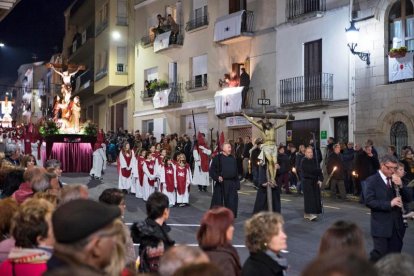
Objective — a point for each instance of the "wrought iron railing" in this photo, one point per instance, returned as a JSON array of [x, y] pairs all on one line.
[[174, 97], [101, 73], [297, 8], [196, 23], [247, 25], [122, 20], [306, 89], [147, 41], [102, 26], [197, 82]]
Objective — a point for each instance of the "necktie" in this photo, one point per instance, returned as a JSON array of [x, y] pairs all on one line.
[[389, 182]]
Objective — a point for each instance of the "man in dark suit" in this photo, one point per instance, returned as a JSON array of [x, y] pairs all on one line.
[[387, 227]]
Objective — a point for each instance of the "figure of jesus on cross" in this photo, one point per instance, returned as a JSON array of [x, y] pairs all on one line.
[[269, 146]]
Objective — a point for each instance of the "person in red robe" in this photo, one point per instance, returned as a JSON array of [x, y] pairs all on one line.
[[183, 180]]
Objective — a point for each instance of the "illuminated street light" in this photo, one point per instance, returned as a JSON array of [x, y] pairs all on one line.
[[2, 44], [116, 35], [352, 34]]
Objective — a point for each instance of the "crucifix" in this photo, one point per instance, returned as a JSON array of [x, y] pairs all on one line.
[[269, 146]]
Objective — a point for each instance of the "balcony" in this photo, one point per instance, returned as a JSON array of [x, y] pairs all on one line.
[[147, 41], [302, 9], [196, 23], [101, 27], [84, 81], [310, 90], [197, 84], [167, 97], [168, 40], [79, 41], [234, 27], [101, 74]]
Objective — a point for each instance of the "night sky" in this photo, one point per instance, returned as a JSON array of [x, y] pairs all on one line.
[[32, 27]]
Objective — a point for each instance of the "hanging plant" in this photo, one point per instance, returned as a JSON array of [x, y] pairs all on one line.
[[398, 52]]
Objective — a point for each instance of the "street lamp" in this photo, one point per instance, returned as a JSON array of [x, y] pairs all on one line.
[[352, 35], [2, 44]]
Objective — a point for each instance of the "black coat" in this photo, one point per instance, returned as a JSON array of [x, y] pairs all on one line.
[[366, 165], [335, 160], [260, 264], [284, 163], [384, 218], [149, 234]]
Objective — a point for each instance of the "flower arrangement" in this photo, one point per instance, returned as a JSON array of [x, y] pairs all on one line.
[[90, 129], [48, 128], [158, 85], [398, 52]]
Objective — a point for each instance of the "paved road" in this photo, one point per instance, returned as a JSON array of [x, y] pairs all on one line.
[[303, 236]]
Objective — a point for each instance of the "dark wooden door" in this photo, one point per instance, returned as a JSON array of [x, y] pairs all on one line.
[[237, 5], [341, 129], [302, 131], [313, 70]]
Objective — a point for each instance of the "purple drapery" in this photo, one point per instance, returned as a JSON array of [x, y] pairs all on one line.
[[75, 157]]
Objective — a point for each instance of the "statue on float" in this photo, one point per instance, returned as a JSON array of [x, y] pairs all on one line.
[[66, 111]]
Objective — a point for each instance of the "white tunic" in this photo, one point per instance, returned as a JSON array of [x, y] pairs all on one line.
[[136, 182], [98, 162], [161, 175], [124, 183], [184, 198], [200, 177], [147, 188]]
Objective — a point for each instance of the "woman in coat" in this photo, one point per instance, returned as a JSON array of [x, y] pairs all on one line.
[[265, 238], [214, 237]]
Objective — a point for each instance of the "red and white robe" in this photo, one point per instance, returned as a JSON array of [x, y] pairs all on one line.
[[125, 171], [167, 183], [201, 166], [149, 179], [139, 176], [183, 180]]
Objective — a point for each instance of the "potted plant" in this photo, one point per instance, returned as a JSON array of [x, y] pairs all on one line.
[[398, 52], [154, 86], [48, 128], [163, 84]]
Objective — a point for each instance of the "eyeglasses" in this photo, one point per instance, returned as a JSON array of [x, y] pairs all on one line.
[[390, 168]]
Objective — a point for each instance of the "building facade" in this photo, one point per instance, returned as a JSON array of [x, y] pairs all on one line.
[[384, 90], [312, 70], [212, 38], [114, 63]]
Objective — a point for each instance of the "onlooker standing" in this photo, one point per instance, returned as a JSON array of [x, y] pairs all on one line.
[[298, 168], [248, 145], [292, 161], [180, 256], [366, 165], [245, 82], [214, 237], [335, 162], [87, 240], [265, 238], [254, 160], [348, 160], [8, 208], [282, 173], [152, 234]]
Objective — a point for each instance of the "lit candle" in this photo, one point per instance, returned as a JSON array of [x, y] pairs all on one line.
[[294, 170]]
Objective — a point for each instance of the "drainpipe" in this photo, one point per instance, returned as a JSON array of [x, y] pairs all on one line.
[[351, 89]]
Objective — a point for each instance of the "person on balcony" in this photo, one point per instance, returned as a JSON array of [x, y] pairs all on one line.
[[174, 29], [161, 24], [234, 80], [245, 82]]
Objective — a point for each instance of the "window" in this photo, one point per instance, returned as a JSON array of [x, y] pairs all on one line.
[[401, 25], [199, 71], [151, 74], [121, 59], [237, 5], [147, 126], [399, 135], [122, 13]]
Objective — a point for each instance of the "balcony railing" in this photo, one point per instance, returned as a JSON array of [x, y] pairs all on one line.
[[102, 26], [196, 23], [83, 79], [122, 20], [199, 82], [101, 74], [147, 41], [81, 38], [237, 24], [298, 8], [309, 89], [175, 96]]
